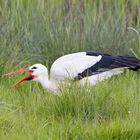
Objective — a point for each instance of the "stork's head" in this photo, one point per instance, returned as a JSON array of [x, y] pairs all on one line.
[[37, 73], [38, 70]]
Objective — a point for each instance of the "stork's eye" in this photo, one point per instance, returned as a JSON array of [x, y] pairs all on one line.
[[34, 67]]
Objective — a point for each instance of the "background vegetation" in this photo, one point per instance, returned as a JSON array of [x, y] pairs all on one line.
[[39, 31]]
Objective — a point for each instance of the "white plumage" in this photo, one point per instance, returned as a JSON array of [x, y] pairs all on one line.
[[69, 66]]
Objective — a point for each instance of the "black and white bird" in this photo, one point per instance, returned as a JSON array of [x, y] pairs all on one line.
[[85, 67]]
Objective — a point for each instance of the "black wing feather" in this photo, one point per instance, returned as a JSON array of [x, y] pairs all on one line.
[[109, 62]]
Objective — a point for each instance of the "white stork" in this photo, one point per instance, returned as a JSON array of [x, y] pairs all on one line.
[[82, 66]]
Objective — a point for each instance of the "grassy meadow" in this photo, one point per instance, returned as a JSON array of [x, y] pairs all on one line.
[[39, 31]]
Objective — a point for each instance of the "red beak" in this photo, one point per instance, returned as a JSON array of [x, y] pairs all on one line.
[[29, 77], [17, 71]]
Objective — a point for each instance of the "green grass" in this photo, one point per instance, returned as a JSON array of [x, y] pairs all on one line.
[[109, 110], [38, 31]]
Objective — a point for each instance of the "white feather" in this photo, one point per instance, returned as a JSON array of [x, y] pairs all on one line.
[[94, 79], [69, 66]]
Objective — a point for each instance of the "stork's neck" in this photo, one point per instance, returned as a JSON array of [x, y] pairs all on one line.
[[48, 84]]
